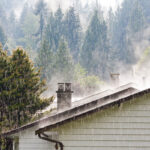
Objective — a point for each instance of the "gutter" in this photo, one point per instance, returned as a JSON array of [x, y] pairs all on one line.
[[45, 137]]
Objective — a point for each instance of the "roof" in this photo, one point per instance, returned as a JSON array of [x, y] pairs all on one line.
[[122, 94]]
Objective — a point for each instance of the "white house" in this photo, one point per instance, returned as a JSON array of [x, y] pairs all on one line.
[[119, 120]]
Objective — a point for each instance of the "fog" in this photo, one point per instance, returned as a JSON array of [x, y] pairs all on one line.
[[65, 4], [136, 73]]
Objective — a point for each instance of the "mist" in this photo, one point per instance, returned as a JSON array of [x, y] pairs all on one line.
[[125, 58], [53, 5]]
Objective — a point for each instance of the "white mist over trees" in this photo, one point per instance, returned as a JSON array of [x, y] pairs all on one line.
[[96, 43]]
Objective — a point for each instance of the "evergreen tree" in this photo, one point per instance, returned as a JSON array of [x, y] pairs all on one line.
[[12, 24], [129, 20], [49, 32], [145, 6], [20, 89], [4, 84], [54, 29], [26, 84], [58, 30], [45, 61], [24, 12], [63, 62], [84, 83], [110, 21], [73, 32], [20, 34], [95, 47], [41, 10], [136, 21], [29, 27]]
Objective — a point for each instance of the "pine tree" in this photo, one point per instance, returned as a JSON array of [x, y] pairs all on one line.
[[24, 13], [63, 63], [20, 34], [128, 21], [45, 61], [49, 32], [12, 24], [145, 6], [73, 32], [26, 84], [95, 47], [20, 89], [4, 84], [111, 19], [41, 10], [58, 30], [54, 29], [29, 27], [136, 21]]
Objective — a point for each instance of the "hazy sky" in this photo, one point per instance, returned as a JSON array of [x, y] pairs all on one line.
[[106, 4], [110, 3], [53, 4]]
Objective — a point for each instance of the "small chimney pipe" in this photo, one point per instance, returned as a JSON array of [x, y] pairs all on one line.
[[61, 87], [64, 96], [68, 87], [115, 79]]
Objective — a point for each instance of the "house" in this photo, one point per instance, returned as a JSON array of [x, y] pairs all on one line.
[[114, 120]]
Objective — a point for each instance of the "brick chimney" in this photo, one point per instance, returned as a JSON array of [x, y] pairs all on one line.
[[64, 96]]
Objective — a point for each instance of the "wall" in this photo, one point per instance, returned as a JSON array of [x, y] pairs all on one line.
[[29, 141], [124, 127]]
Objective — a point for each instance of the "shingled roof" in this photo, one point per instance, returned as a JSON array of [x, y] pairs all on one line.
[[120, 95]]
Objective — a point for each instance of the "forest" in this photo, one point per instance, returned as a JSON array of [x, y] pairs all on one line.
[[81, 44]]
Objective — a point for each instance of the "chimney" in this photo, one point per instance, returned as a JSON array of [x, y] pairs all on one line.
[[64, 96], [115, 79], [144, 81]]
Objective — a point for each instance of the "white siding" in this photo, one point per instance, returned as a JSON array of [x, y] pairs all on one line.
[[126, 127], [29, 141]]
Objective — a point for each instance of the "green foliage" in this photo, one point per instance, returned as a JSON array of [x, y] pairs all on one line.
[[145, 6], [20, 90], [58, 27], [128, 21], [29, 27], [4, 82], [55, 64], [73, 32], [84, 83], [80, 74], [95, 49], [2, 144], [41, 11], [6, 143], [54, 29], [136, 21], [63, 62], [45, 61], [144, 59]]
